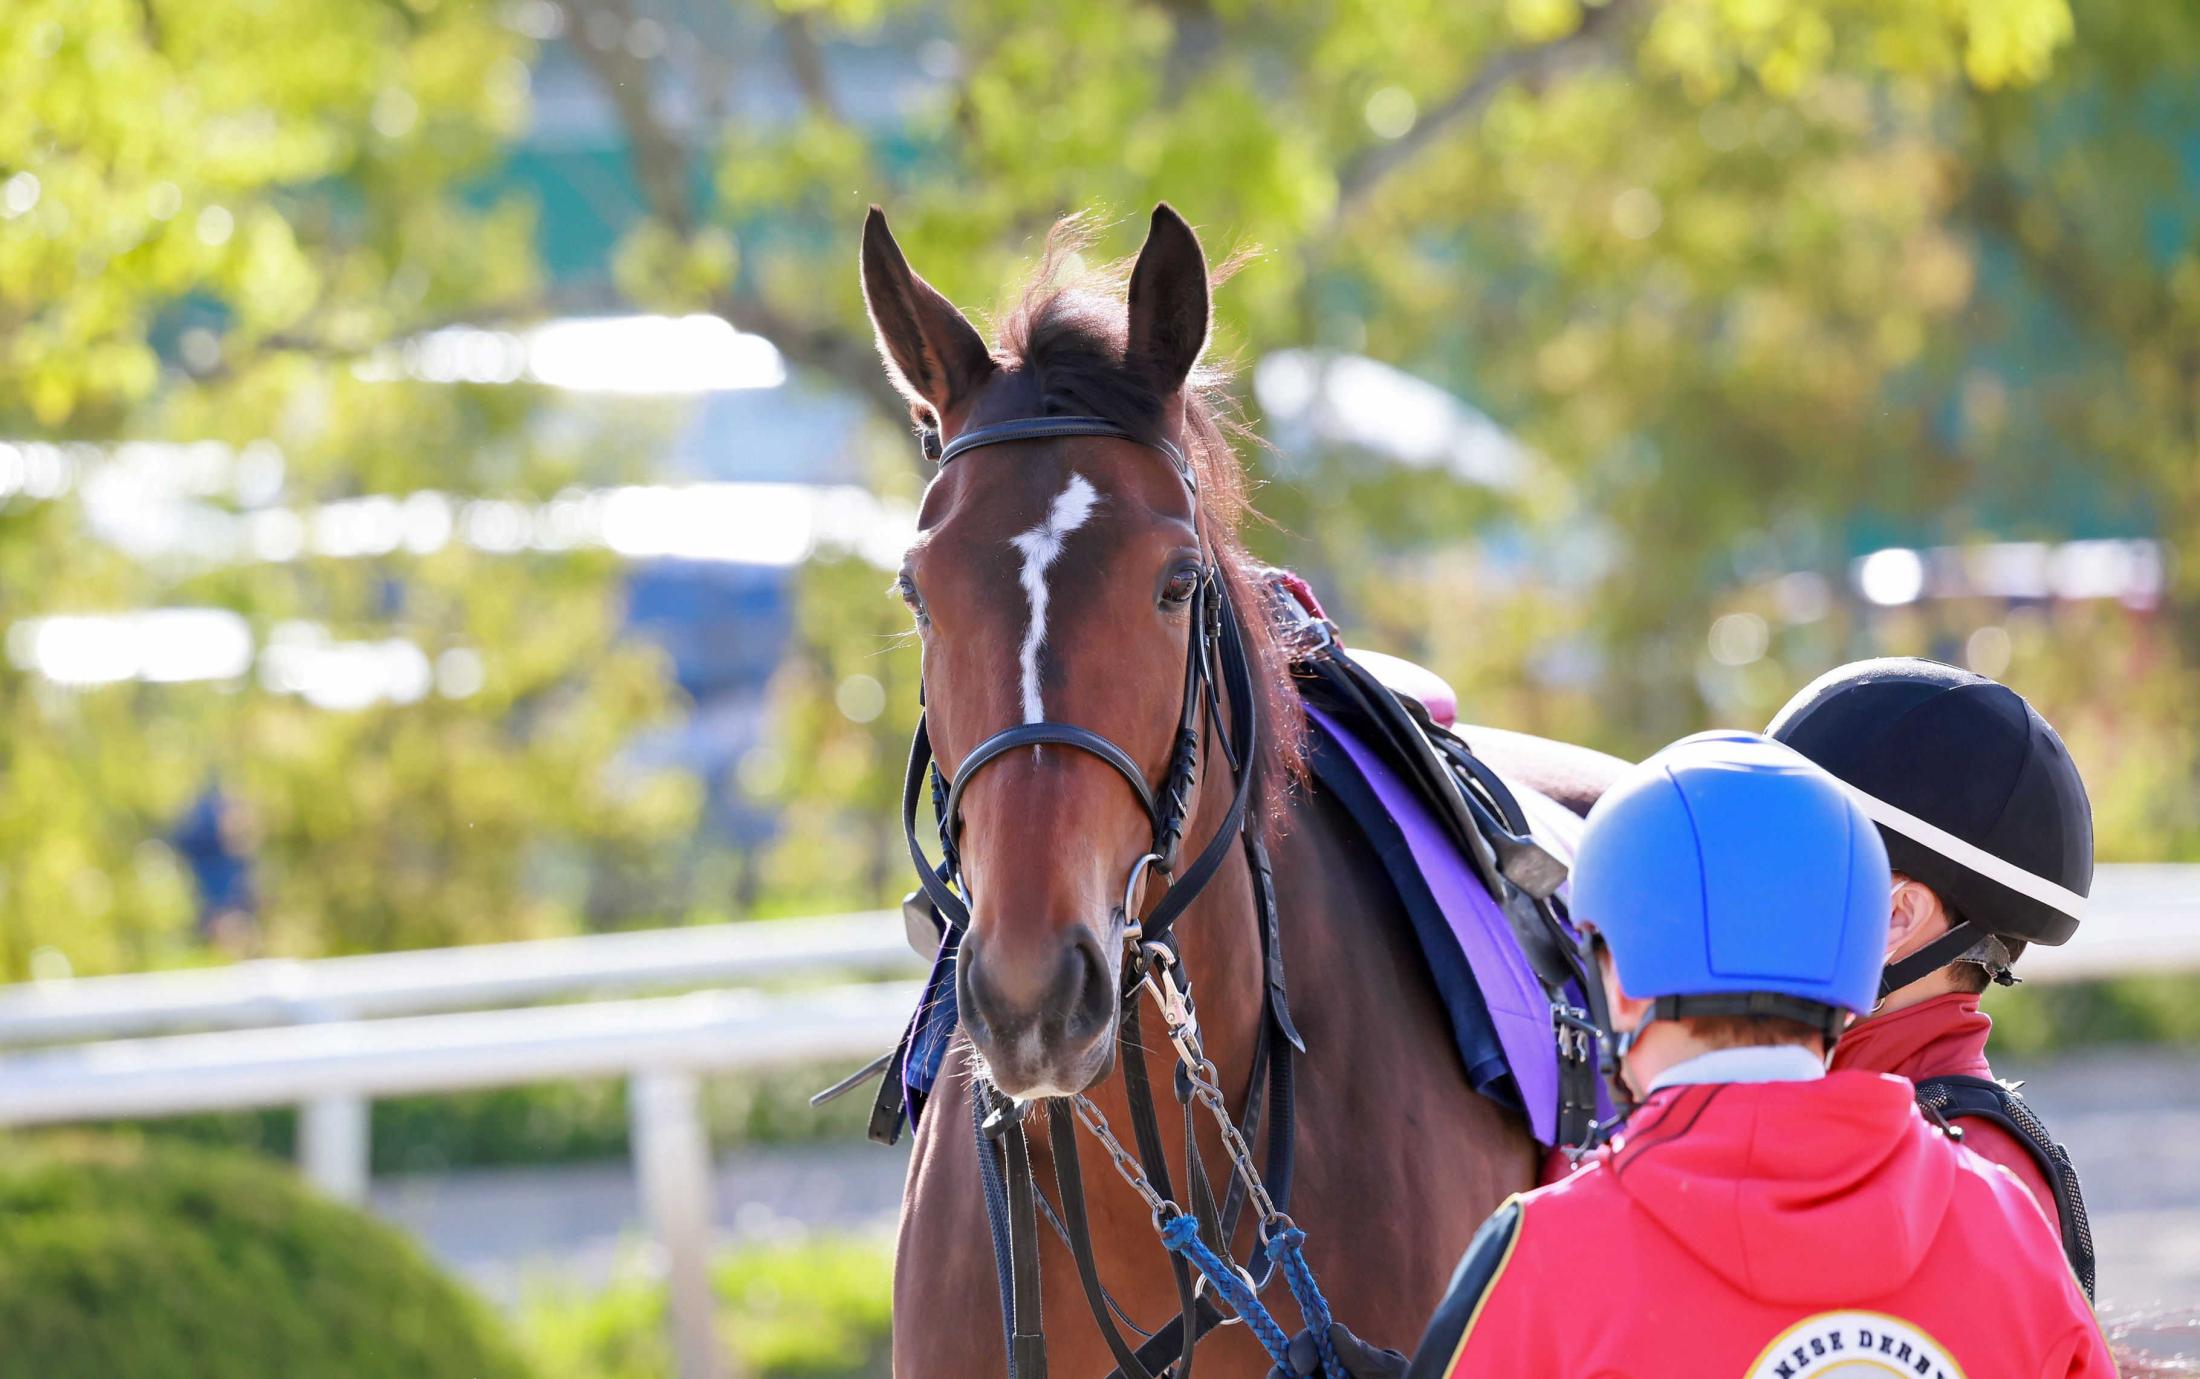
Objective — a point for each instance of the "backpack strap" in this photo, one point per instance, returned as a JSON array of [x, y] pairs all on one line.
[[1952, 1098]]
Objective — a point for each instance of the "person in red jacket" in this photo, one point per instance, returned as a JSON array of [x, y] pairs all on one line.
[[1761, 1218], [1990, 836]]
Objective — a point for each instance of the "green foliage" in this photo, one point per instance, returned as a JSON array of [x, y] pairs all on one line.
[[213, 213], [1759, 282], [836, 781], [1762, 285], [133, 1261], [551, 1122], [576, 1121], [2036, 1021], [814, 1309]]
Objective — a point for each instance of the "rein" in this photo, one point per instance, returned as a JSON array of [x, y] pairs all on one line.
[[1217, 667]]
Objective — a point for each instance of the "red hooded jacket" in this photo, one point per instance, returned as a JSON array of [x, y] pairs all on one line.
[[1784, 1230], [1944, 1037]]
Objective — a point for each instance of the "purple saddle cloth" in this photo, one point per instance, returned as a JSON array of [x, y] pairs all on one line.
[[1502, 1025]]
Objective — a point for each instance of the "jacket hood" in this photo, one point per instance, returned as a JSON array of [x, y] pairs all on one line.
[[1794, 1192]]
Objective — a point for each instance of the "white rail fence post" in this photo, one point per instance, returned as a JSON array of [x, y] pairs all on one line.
[[335, 1131], [672, 1165], [335, 1137]]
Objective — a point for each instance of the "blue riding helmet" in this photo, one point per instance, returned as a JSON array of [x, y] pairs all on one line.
[[1730, 876]]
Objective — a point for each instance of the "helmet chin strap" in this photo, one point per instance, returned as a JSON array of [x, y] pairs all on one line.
[[1827, 1020], [1622, 1042], [1931, 958]]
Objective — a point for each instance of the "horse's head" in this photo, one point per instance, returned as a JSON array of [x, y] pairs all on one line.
[[1053, 581]]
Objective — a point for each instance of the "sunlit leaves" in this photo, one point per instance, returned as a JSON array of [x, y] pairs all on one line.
[[209, 213]]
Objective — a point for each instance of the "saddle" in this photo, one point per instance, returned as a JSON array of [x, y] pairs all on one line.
[[1479, 864]]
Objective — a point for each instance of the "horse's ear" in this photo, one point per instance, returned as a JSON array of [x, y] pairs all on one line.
[[1168, 300], [932, 353]]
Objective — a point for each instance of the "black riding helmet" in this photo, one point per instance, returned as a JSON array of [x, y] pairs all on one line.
[[1973, 792]]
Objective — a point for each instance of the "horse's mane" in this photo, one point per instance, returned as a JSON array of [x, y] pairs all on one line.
[[1065, 334]]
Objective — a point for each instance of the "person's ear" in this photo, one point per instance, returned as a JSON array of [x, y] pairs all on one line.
[[1626, 1011], [1915, 918]]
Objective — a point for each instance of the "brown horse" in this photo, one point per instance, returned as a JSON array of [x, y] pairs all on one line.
[[1050, 581]]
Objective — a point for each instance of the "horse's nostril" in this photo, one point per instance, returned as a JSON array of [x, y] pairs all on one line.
[[974, 996], [1071, 1003], [1093, 1000]]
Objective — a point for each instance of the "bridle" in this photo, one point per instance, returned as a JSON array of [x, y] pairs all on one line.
[[1215, 663], [1217, 672]]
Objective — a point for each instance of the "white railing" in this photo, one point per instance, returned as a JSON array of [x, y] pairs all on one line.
[[330, 1035], [287, 991], [2142, 918]]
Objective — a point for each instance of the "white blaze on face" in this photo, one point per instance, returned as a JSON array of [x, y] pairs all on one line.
[[1040, 546]]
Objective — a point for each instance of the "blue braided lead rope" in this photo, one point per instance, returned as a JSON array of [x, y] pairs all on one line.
[[1181, 1234], [1284, 1248]]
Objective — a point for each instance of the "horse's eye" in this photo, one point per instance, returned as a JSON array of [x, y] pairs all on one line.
[[906, 589], [1181, 586]]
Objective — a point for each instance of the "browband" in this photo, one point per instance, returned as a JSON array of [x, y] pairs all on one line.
[[1049, 428]]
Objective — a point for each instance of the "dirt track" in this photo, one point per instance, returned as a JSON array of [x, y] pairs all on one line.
[[2131, 1119]]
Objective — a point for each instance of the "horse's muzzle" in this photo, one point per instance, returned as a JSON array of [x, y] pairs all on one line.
[[1044, 1022]]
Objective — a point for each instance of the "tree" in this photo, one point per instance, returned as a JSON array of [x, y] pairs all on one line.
[[212, 215], [1757, 283], [1728, 269]]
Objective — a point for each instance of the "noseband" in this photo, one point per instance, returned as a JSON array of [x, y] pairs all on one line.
[[1215, 664]]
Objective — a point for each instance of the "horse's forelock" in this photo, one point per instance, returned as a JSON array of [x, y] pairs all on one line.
[[1065, 337]]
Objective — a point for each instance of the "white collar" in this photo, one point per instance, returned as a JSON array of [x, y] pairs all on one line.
[[1766, 1063]]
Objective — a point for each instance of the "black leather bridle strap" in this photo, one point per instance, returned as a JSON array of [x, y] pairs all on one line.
[[1027, 1339], [995, 1191], [1053, 428], [1069, 1180], [936, 889], [1146, 1133], [1048, 734], [1245, 704]]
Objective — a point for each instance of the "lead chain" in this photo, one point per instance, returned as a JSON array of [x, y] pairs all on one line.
[[1126, 1164], [1200, 1071]]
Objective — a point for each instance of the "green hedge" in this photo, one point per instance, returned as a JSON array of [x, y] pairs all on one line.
[[2039, 1020], [819, 1308], [552, 1122], [127, 1259]]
